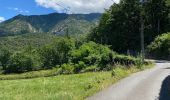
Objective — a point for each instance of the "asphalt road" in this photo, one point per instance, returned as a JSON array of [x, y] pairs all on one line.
[[151, 84]]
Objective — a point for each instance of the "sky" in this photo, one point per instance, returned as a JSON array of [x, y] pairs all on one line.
[[11, 8]]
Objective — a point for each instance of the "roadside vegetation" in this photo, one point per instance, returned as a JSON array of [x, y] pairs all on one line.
[[120, 25], [160, 47], [66, 55], [49, 67], [62, 87]]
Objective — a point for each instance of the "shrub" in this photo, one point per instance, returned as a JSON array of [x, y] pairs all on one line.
[[91, 54], [49, 57], [19, 63], [56, 53], [160, 47], [4, 58], [66, 69], [25, 60], [124, 60], [78, 67]]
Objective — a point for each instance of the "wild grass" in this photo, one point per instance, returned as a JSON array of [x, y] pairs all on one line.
[[62, 87]]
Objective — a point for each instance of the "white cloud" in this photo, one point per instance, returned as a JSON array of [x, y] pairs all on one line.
[[77, 6], [2, 19], [18, 10]]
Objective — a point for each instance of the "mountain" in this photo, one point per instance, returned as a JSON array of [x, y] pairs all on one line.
[[18, 42], [56, 23]]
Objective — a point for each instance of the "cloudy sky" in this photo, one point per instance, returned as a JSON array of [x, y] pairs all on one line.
[[10, 8]]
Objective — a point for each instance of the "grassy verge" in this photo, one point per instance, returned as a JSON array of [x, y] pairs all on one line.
[[41, 73], [62, 87], [28, 75]]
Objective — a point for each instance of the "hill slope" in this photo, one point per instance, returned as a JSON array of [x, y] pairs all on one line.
[[52, 23], [18, 42]]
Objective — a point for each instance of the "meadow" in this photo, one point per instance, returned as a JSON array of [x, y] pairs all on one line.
[[61, 87]]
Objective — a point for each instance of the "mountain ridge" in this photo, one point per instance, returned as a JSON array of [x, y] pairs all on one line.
[[56, 23]]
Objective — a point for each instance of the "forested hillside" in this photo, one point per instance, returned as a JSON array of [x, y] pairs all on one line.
[[120, 26], [18, 42], [52, 23]]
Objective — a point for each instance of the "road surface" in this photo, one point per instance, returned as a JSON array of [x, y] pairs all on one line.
[[151, 84]]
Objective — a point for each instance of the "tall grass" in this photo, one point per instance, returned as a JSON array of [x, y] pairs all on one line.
[[62, 87]]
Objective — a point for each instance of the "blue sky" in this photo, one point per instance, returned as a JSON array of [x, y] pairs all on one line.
[[11, 8]]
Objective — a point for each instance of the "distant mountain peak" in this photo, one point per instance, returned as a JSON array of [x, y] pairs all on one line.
[[50, 23]]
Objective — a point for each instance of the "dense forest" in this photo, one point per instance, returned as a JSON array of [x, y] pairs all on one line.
[[120, 25]]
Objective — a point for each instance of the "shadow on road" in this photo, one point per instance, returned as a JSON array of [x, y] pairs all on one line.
[[162, 61], [165, 89], [167, 68]]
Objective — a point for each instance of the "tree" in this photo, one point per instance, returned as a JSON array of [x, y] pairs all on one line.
[[120, 25], [156, 18], [20, 62], [160, 47], [57, 52], [4, 58]]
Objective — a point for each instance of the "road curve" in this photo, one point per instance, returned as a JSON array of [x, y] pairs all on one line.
[[151, 84]]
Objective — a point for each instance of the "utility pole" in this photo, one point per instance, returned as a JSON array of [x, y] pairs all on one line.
[[142, 31]]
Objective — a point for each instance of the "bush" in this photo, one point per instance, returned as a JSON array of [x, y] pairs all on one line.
[[4, 58], [78, 67], [19, 63], [23, 61], [56, 53], [160, 47], [62, 53], [66, 69], [91, 54], [124, 60]]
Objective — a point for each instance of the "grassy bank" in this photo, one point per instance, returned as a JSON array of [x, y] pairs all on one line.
[[62, 87]]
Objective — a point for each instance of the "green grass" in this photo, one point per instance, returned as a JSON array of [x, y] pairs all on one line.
[[28, 75], [62, 87]]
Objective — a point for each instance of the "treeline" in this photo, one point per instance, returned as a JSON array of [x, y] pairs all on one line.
[[18, 42], [120, 25], [67, 55]]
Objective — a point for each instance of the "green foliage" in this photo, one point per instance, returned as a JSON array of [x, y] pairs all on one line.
[[119, 71], [120, 25], [26, 60], [66, 69], [19, 42], [79, 67], [56, 53], [51, 23], [63, 53], [125, 60], [160, 47], [4, 58], [91, 53], [19, 62], [62, 87]]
